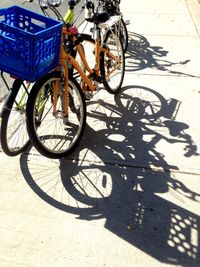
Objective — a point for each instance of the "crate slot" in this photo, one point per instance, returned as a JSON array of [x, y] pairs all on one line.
[[39, 23]]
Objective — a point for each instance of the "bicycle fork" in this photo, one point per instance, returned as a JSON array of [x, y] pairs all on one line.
[[60, 89]]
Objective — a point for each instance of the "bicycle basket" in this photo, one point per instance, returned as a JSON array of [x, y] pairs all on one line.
[[29, 43]]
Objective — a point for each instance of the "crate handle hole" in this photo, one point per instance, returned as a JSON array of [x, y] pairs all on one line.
[[39, 23]]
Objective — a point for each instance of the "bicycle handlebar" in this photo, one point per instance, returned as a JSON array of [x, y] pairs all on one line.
[[52, 3], [42, 3]]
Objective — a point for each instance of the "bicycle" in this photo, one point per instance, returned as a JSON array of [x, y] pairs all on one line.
[[13, 133], [6, 115], [113, 8], [56, 113]]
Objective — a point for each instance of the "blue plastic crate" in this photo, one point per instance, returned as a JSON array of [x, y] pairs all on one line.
[[29, 43]]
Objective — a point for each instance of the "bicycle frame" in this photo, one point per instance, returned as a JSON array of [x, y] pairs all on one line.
[[66, 57]]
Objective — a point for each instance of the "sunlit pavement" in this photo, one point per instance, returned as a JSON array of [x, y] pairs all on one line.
[[130, 194]]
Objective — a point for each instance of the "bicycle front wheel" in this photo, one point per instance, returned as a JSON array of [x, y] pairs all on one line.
[[13, 134], [112, 63], [52, 133]]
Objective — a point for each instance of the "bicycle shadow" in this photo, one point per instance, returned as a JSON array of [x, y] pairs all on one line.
[[142, 55], [117, 173]]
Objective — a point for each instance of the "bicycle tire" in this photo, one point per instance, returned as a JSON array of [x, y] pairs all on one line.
[[49, 134], [123, 34], [108, 66], [13, 135]]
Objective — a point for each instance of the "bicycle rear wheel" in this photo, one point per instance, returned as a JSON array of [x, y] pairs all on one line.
[[112, 63], [13, 134], [53, 134]]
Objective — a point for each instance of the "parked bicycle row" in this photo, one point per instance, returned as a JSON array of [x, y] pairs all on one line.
[[56, 70]]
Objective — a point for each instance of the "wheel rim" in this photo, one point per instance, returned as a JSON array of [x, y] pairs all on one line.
[[55, 133], [16, 133], [114, 65]]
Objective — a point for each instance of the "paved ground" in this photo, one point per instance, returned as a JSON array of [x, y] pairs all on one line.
[[130, 194]]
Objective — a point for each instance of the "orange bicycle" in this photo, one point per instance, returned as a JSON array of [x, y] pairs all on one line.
[[56, 109]]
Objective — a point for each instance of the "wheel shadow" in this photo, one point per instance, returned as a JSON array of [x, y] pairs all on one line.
[[142, 55], [117, 173]]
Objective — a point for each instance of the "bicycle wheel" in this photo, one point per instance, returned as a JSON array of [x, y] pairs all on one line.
[[123, 34], [112, 63], [52, 134], [13, 134]]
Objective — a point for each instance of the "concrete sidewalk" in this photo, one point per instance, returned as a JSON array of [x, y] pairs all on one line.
[[130, 194]]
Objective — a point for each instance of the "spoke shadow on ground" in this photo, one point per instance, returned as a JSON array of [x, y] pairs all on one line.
[[117, 173]]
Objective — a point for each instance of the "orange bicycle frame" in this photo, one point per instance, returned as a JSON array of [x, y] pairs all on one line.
[[66, 57]]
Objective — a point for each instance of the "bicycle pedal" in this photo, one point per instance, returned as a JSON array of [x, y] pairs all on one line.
[[88, 95]]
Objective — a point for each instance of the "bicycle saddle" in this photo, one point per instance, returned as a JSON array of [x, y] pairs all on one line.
[[99, 17]]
